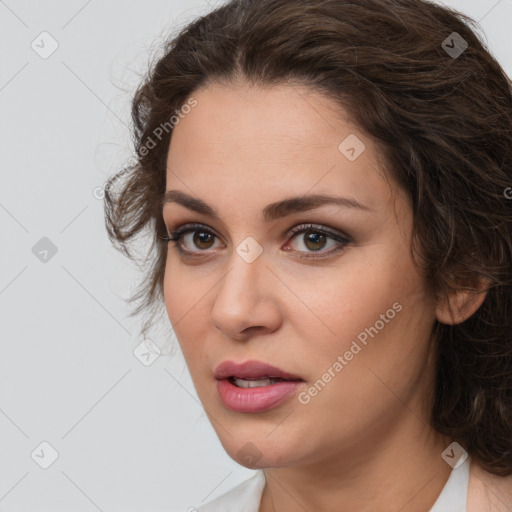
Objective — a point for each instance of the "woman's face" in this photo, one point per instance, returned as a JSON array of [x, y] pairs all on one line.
[[351, 325]]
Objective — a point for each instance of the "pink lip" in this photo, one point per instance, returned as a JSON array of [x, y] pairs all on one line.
[[253, 399], [250, 370]]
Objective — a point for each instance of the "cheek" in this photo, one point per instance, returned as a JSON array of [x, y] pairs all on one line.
[[382, 319], [373, 311], [172, 294], [344, 300], [183, 304], [183, 291]]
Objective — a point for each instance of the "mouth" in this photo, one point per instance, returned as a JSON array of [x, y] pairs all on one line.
[[252, 371], [258, 383], [254, 386]]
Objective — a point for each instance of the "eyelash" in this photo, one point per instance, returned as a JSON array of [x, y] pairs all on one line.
[[343, 240]]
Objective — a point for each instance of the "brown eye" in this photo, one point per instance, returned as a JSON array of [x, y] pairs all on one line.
[[192, 240], [314, 240], [202, 239], [309, 240]]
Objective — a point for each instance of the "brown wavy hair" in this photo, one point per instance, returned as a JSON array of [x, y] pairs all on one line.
[[441, 116]]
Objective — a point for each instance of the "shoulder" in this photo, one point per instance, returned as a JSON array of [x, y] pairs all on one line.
[[488, 492], [245, 497]]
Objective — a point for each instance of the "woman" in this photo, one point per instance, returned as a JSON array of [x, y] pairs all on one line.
[[326, 183]]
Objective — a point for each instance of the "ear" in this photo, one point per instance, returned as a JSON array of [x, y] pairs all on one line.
[[458, 305]]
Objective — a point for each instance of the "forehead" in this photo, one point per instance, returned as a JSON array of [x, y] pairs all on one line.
[[245, 117], [273, 141]]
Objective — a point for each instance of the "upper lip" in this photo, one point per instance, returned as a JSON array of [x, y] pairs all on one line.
[[251, 370]]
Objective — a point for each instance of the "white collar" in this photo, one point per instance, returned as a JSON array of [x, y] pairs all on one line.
[[454, 495], [246, 496]]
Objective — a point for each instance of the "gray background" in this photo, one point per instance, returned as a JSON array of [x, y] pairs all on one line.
[[129, 437]]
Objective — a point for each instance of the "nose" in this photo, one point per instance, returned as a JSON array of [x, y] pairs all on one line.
[[246, 301]]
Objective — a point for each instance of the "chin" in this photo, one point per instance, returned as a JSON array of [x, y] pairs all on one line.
[[257, 451]]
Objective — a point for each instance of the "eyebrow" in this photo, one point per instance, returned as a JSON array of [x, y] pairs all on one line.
[[272, 211]]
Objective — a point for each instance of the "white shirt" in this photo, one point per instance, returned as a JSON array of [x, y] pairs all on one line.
[[246, 496]]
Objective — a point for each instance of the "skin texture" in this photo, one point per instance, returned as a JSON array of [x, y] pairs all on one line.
[[363, 442]]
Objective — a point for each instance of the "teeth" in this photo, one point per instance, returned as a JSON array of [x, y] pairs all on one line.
[[242, 383]]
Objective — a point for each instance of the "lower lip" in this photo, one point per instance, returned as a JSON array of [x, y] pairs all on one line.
[[255, 399]]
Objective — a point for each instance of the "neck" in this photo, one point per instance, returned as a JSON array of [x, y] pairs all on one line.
[[402, 470]]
